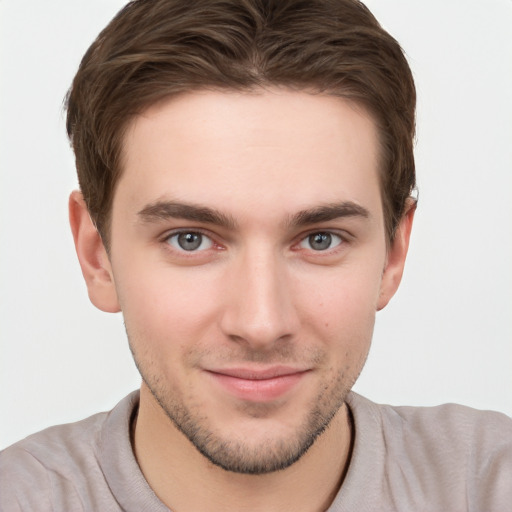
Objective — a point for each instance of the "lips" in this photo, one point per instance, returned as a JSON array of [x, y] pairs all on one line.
[[258, 385]]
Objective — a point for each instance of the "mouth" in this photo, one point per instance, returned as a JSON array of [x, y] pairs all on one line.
[[258, 384]]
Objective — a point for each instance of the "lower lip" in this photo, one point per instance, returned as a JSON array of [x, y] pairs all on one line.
[[264, 390]]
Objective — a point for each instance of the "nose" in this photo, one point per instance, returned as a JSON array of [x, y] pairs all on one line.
[[259, 309]]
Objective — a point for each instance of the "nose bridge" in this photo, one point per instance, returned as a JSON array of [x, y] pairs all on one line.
[[259, 309]]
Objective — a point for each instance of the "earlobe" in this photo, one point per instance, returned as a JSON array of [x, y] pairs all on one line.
[[92, 256], [397, 254]]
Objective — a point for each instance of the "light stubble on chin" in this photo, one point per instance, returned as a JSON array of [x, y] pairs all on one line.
[[271, 454]]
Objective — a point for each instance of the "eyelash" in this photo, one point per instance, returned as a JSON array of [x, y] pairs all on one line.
[[330, 235], [342, 239], [175, 234]]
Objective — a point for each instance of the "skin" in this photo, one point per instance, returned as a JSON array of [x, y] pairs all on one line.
[[260, 177]]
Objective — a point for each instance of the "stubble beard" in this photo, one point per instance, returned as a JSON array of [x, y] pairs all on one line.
[[271, 454]]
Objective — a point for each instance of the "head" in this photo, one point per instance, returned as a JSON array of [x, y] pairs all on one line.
[[248, 167], [153, 50]]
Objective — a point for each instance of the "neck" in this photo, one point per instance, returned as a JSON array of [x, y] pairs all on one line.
[[185, 481]]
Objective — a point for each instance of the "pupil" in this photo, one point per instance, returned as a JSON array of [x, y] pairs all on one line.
[[320, 241], [189, 241]]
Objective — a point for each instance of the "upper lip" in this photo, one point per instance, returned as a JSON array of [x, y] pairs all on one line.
[[271, 372]]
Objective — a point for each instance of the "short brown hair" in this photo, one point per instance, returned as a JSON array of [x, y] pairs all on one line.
[[154, 49]]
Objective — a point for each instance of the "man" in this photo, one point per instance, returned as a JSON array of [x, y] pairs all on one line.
[[246, 172]]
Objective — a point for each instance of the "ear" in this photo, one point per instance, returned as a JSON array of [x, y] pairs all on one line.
[[92, 256], [396, 256]]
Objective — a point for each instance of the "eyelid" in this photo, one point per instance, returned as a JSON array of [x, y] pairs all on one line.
[[205, 242], [343, 235], [201, 231], [176, 231], [335, 239]]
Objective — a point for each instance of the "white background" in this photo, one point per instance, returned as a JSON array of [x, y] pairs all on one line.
[[447, 335]]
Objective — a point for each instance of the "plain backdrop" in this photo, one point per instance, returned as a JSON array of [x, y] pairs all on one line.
[[445, 337]]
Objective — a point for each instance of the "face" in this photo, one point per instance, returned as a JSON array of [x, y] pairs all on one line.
[[249, 258]]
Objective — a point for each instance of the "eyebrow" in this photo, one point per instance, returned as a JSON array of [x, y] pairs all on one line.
[[328, 212], [163, 210]]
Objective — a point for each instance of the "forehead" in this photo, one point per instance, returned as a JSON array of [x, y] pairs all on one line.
[[271, 151]]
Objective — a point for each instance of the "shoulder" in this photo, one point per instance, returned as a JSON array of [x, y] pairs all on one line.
[[470, 449], [452, 432], [57, 445], [53, 466], [467, 429], [33, 467], [446, 455]]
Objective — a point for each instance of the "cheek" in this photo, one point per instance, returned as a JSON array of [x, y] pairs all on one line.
[[165, 308], [341, 313], [342, 298]]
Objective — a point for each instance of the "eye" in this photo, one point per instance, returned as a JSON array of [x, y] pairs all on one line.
[[321, 241], [190, 241]]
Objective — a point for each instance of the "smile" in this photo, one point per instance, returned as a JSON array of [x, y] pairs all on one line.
[[261, 385]]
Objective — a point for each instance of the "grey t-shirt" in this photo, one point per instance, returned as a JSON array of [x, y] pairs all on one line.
[[434, 459]]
